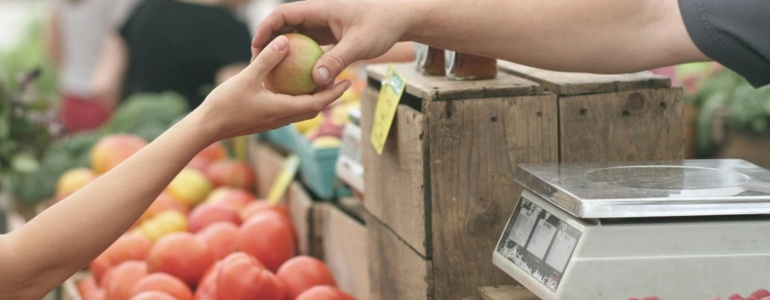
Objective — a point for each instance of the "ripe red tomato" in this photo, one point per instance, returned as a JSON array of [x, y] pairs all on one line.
[[164, 283], [268, 239], [303, 272], [242, 277], [182, 255], [152, 295], [324, 292], [206, 214], [220, 237], [125, 276], [129, 246]]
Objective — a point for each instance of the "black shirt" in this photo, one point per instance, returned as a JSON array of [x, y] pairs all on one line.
[[180, 46], [735, 33]]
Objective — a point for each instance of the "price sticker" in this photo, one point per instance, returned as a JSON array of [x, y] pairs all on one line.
[[390, 94]]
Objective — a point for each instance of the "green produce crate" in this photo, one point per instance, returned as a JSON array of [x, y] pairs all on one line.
[[317, 165]]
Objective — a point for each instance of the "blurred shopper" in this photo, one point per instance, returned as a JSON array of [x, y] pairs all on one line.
[[185, 46], [75, 32], [599, 36]]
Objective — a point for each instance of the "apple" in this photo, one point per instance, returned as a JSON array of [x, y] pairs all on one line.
[[232, 173], [294, 74], [111, 150]]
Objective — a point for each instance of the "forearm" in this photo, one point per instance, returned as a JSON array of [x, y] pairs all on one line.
[[84, 224], [604, 36]]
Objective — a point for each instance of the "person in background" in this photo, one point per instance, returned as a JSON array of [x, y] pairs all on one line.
[[74, 34], [597, 36], [43, 253], [184, 46]]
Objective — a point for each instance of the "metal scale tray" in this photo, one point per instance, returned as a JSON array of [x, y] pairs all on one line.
[[713, 187]]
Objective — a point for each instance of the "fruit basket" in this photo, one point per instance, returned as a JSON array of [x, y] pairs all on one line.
[[317, 164]]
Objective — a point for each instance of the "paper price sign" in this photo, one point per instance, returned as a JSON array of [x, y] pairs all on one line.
[[390, 94]]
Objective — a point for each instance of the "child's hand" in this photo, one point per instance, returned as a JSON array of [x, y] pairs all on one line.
[[242, 106]]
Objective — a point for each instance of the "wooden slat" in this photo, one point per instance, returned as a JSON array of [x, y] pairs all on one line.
[[344, 242], [395, 181], [623, 126], [267, 163], [301, 208], [506, 292], [474, 148], [567, 83], [396, 271], [440, 88]]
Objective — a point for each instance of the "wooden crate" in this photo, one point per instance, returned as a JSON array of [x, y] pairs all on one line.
[[344, 244], [441, 191], [620, 117]]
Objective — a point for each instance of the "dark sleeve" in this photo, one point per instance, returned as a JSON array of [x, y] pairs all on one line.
[[235, 44], [735, 33]]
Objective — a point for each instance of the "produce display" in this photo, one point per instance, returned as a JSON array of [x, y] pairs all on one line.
[[207, 236], [760, 294]]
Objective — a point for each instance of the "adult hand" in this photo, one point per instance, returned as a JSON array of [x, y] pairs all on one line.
[[242, 105], [360, 29]]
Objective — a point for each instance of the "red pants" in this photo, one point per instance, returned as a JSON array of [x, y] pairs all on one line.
[[78, 113]]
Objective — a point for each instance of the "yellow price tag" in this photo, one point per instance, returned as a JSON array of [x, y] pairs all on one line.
[[390, 94], [283, 179]]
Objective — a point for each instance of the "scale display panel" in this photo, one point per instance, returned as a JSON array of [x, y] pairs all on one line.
[[538, 242]]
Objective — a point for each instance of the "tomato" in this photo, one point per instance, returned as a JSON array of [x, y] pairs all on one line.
[[129, 246], [99, 266], [152, 295], [303, 272], [259, 206], [324, 292], [207, 289], [268, 239], [125, 276], [220, 237], [182, 255], [206, 214], [164, 283], [242, 277]]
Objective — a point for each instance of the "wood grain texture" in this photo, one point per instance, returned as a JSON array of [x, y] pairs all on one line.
[[474, 148], [623, 126], [345, 248], [440, 88], [506, 292], [267, 163], [395, 180], [567, 83], [301, 210], [396, 271]]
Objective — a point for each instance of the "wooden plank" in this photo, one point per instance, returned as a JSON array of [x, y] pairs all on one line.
[[440, 88], [344, 243], [267, 163], [569, 83], [395, 180], [474, 148], [396, 271], [301, 209], [506, 292], [622, 126]]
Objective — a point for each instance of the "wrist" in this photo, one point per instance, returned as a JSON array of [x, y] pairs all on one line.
[[420, 18]]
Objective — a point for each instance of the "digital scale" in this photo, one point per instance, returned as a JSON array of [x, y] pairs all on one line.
[[677, 230]]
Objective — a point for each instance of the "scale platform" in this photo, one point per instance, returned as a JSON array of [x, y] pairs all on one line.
[[692, 229]]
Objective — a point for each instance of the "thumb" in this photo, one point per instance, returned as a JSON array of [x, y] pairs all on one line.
[[334, 61], [269, 57]]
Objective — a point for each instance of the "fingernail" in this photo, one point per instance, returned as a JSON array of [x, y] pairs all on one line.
[[323, 73], [280, 43]]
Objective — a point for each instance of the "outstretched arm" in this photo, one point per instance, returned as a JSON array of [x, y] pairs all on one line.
[[602, 36], [44, 252]]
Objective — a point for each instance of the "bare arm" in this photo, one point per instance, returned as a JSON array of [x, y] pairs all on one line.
[[107, 80], [603, 36], [43, 253]]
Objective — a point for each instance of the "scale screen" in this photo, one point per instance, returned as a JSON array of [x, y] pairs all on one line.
[[538, 242]]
